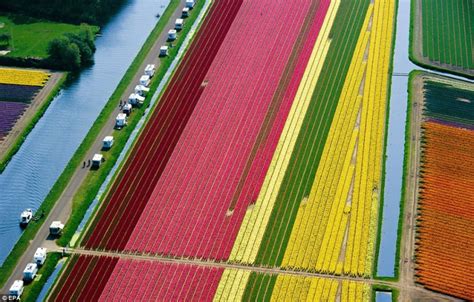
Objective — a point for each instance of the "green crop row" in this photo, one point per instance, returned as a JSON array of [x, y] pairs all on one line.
[[259, 287], [310, 143]]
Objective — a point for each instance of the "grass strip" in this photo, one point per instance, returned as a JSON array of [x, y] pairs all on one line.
[[5, 159], [85, 196]]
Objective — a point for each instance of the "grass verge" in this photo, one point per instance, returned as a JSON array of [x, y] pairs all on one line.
[[63, 180], [31, 124]]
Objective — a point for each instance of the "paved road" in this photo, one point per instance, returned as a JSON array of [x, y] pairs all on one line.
[[62, 208]]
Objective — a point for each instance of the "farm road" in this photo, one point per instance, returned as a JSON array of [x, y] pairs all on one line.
[[62, 208]]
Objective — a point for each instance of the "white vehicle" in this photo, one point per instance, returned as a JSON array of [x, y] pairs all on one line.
[[150, 70], [40, 255], [145, 80], [141, 90], [127, 109], [26, 216], [185, 12], [136, 99], [97, 160], [16, 289], [178, 25], [190, 3], [56, 228], [172, 35], [164, 51], [30, 271], [108, 142], [120, 120]]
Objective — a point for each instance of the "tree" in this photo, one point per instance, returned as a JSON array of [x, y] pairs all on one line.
[[64, 54]]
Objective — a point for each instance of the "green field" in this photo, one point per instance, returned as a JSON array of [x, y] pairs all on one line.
[[447, 31], [310, 143], [30, 37]]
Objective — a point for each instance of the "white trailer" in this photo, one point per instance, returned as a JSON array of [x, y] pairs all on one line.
[[141, 90], [16, 289], [172, 35], [136, 99], [29, 273], [56, 228], [121, 120], [185, 12], [190, 3], [108, 142], [150, 70], [178, 25], [40, 255], [164, 51], [145, 80], [97, 160]]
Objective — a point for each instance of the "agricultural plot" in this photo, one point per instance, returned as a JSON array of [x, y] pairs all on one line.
[[444, 255], [266, 149], [442, 36], [17, 89]]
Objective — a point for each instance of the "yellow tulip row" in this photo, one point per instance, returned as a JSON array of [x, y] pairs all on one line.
[[355, 291], [23, 77], [317, 237], [232, 285], [256, 218], [297, 288], [365, 199]]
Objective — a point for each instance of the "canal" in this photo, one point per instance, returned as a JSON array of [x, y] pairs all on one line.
[[48, 148]]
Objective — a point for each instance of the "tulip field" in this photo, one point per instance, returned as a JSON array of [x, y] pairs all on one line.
[[446, 209], [17, 89], [265, 151], [447, 29]]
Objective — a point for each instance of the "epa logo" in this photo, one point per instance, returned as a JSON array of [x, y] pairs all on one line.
[[8, 298]]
